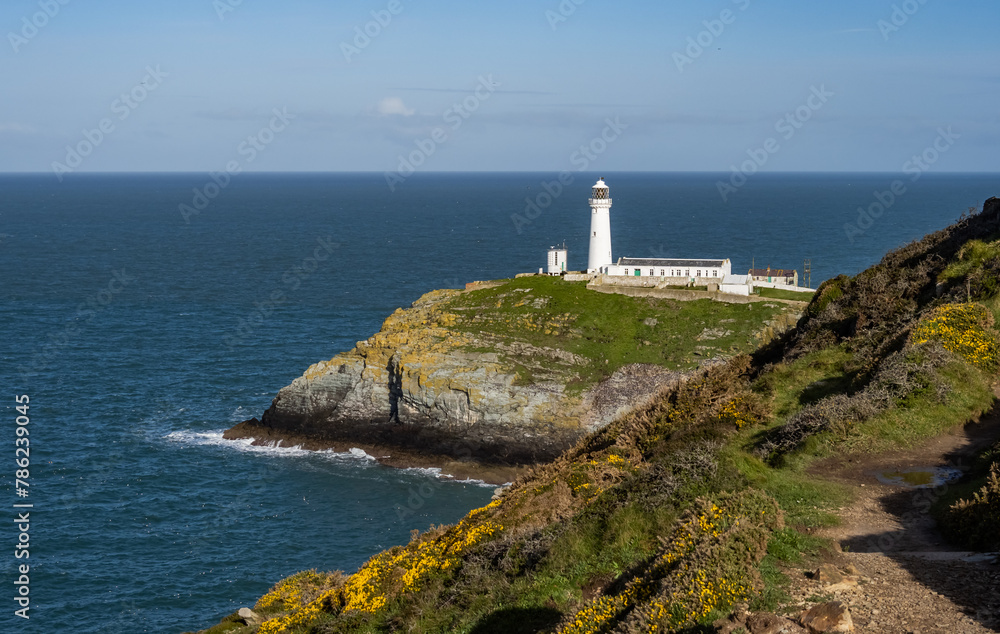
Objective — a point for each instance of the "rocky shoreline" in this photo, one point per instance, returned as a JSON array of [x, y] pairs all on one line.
[[495, 454]]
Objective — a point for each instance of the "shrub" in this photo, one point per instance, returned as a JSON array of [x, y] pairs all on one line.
[[298, 590], [744, 410], [385, 576], [964, 329], [978, 262], [976, 522], [898, 377], [707, 565]]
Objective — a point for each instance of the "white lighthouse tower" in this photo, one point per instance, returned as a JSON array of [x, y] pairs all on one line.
[[600, 229]]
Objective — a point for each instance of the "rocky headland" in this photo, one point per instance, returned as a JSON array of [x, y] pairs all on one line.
[[505, 373]]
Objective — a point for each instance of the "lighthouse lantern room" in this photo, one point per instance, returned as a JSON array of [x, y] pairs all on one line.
[[600, 229]]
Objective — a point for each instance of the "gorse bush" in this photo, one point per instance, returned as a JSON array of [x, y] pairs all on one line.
[[964, 329], [299, 590], [707, 565], [744, 410], [395, 571], [976, 522]]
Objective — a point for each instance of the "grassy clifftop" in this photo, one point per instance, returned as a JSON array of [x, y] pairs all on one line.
[[603, 332], [668, 517]]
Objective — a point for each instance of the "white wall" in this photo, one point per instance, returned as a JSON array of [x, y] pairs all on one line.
[[681, 275], [735, 289], [557, 261]]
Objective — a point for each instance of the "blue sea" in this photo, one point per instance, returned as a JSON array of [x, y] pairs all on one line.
[[140, 333]]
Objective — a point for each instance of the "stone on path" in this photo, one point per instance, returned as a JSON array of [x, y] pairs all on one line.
[[828, 618]]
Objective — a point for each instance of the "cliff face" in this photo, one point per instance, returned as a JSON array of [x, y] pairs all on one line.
[[468, 376]]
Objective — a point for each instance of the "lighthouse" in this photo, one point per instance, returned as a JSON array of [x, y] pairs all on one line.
[[599, 258]]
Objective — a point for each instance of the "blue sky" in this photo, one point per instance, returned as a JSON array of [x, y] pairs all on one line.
[[220, 74]]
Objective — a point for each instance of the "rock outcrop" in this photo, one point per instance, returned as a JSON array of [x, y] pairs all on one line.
[[419, 384], [494, 376]]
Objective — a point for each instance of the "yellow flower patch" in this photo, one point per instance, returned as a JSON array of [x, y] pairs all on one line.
[[964, 329], [389, 573], [686, 582]]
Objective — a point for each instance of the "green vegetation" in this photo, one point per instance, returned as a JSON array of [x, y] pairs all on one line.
[[969, 513], [976, 259], [973, 521], [672, 514], [605, 331], [780, 293]]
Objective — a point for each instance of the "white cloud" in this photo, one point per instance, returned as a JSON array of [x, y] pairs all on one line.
[[394, 105]]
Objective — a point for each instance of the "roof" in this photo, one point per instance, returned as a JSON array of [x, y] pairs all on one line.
[[772, 272], [669, 262], [601, 184], [736, 279]]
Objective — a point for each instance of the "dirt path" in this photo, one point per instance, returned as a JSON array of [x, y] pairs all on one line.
[[908, 579]]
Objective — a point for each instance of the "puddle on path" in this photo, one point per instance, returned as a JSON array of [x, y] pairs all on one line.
[[919, 477]]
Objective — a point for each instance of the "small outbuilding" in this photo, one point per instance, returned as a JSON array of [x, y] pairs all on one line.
[[785, 277], [737, 285], [557, 260]]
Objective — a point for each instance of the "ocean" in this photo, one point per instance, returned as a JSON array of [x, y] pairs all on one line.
[[144, 314]]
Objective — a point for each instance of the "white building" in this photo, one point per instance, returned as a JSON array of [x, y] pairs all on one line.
[[669, 271], [600, 229], [737, 285], [714, 273], [557, 260], [699, 272]]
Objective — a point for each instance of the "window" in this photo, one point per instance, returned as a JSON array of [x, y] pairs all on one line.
[[687, 272], [715, 273], [595, 234], [663, 273], [698, 273], [651, 272]]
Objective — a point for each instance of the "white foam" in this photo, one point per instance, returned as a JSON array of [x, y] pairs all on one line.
[[361, 454], [354, 455], [435, 472], [214, 439], [480, 483]]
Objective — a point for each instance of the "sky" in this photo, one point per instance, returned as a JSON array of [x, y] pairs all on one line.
[[549, 85]]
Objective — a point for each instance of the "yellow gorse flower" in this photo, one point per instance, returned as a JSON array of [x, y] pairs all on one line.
[[673, 591], [963, 329], [392, 572]]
